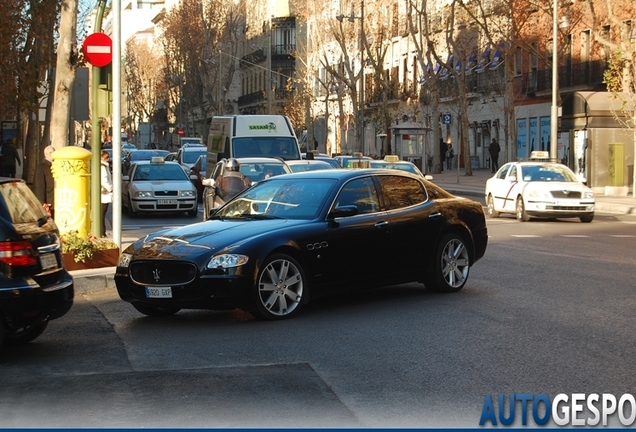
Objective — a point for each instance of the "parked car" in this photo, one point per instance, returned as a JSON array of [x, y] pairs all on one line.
[[139, 155], [158, 186], [254, 168], [308, 165], [34, 286], [538, 189], [295, 237]]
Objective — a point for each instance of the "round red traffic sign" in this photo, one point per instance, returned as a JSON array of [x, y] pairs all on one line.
[[98, 49], [181, 132]]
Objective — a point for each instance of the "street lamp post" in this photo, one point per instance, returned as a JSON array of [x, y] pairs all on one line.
[[555, 83], [351, 18]]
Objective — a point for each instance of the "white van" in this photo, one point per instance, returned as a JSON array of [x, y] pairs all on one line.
[[239, 136]]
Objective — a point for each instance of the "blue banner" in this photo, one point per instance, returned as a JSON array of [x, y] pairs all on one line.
[[522, 139], [545, 134]]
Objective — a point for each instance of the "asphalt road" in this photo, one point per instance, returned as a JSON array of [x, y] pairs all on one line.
[[549, 309]]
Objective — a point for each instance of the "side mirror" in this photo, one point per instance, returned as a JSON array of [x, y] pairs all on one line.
[[511, 179], [207, 182], [125, 178], [193, 177], [343, 211], [428, 177]]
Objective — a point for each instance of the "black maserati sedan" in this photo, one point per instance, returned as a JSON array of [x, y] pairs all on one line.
[[295, 237]]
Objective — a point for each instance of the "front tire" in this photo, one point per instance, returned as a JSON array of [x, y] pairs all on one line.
[[491, 207], [520, 211], [280, 288], [451, 265], [155, 311], [26, 334], [587, 218]]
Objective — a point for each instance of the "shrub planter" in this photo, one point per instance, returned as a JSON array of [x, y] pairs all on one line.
[[101, 258]]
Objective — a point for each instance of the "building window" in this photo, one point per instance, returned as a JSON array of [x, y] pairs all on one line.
[[606, 37], [518, 62]]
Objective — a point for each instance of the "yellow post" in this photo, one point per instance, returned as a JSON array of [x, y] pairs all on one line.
[[72, 176]]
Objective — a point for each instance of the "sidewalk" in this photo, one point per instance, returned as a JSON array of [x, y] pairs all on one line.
[[452, 181]]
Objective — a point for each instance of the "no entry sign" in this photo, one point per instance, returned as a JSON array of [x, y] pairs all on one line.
[[98, 49]]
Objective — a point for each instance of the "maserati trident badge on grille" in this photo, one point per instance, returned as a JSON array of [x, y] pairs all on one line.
[[156, 274]]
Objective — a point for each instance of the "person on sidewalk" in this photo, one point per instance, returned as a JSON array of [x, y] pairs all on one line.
[[442, 154], [10, 157], [494, 150], [44, 184], [450, 154], [107, 189]]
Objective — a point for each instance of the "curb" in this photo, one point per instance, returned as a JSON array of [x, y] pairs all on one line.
[[93, 280]]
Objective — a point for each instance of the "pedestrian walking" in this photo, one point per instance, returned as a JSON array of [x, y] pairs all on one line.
[[106, 187], [494, 150], [10, 157], [442, 154], [44, 184], [450, 154]]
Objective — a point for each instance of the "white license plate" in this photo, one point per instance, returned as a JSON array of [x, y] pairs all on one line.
[[48, 260], [167, 201], [567, 202], [163, 292]]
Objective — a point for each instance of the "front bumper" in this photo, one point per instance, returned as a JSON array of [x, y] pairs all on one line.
[[207, 291], [560, 209], [156, 205]]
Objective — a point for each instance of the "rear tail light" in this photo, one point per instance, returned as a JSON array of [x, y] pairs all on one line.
[[17, 253]]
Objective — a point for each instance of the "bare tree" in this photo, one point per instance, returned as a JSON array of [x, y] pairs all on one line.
[[65, 74]]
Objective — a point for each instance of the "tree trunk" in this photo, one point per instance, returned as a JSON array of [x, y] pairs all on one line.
[[64, 75]]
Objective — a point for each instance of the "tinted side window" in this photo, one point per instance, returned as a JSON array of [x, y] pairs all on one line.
[[399, 191], [503, 172], [360, 193], [20, 203]]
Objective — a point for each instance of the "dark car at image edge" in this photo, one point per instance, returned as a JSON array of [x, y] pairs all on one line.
[[34, 286], [295, 237]]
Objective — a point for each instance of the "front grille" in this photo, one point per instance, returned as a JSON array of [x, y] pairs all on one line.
[[566, 194], [166, 206], [165, 273], [166, 193]]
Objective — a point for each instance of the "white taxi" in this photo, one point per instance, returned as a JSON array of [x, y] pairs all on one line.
[[538, 188], [158, 186]]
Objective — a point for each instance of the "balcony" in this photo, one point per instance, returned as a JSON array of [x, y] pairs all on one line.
[[579, 76]]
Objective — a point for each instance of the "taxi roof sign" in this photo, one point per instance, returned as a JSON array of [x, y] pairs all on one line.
[[539, 155], [391, 158]]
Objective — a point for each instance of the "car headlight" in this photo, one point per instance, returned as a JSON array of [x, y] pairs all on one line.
[[142, 194], [124, 260], [587, 194], [227, 261], [186, 193]]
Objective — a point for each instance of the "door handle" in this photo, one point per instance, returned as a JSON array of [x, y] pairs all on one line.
[[434, 215], [381, 224]]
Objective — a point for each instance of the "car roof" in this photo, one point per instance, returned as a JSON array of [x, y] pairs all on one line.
[[307, 161], [344, 174], [261, 160]]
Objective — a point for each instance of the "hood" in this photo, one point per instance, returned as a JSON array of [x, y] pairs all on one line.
[[206, 237]]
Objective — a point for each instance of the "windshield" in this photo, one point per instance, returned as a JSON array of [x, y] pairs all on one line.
[[150, 172], [282, 147], [192, 156], [280, 198], [548, 172], [256, 172]]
